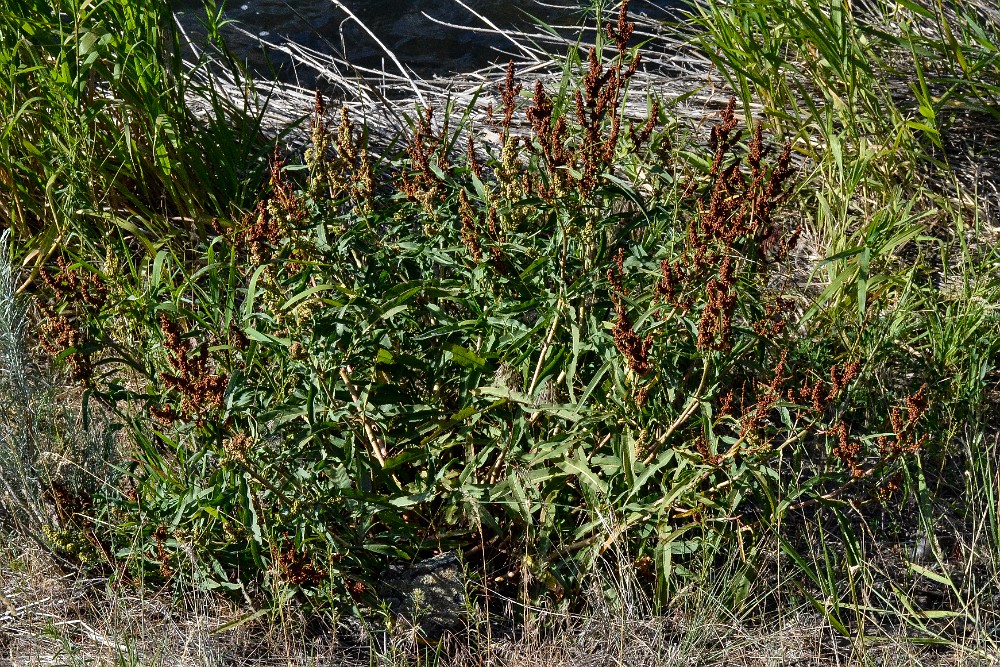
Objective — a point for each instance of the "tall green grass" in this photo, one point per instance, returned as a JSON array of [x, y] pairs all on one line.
[[883, 100], [98, 130]]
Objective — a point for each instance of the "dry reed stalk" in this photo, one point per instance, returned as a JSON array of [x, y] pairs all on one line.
[[671, 66]]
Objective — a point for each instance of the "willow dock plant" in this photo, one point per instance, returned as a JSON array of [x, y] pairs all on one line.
[[592, 336]]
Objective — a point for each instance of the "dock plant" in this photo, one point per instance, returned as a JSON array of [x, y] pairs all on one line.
[[584, 335], [561, 331]]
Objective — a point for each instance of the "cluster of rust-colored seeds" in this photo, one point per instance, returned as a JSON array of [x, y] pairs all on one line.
[[474, 165], [163, 556], [817, 395], [850, 451], [754, 418], [80, 292], [424, 148], [296, 568], [634, 348], [598, 107], [260, 235], [356, 589], [200, 390], [715, 330], [551, 137], [284, 202], [904, 439], [509, 90], [890, 487], [58, 336], [264, 229], [72, 285], [598, 111], [734, 232], [598, 104], [70, 505], [470, 231], [237, 447], [847, 450], [472, 235], [701, 446], [774, 322]]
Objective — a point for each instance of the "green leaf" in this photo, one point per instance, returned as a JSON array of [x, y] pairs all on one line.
[[305, 294], [465, 357], [254, 334], [929, 574]]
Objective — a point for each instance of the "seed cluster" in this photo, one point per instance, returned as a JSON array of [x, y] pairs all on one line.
[[735, 235], [634, 348], [598, 103], [80, 292], [470, 227], [425, 148], [73, 285], [163, 556], [904, 439], [338, 160], [295, 567], [201, 392]]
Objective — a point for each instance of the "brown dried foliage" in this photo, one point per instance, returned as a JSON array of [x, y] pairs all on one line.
[[80, 292], [634, 348], [419, 183], [297, 568], [905, 439], [201, 391]]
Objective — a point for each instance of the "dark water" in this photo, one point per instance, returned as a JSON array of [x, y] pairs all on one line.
[[426, 47]]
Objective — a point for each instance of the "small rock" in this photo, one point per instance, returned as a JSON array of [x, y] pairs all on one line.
[[352, 632], [429, 595], [921, 551]]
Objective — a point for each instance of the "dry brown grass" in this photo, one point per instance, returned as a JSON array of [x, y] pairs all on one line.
[[49, 616]]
